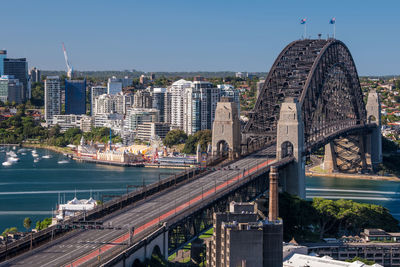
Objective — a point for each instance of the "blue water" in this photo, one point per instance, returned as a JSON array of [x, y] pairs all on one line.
[[29, 189]]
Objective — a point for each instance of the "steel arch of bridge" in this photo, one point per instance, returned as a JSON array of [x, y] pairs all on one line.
[[322, 75]]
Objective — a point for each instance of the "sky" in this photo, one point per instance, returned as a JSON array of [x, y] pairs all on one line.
[[188, 35]]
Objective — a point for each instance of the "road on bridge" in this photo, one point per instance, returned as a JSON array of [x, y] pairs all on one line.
[[85, 247]]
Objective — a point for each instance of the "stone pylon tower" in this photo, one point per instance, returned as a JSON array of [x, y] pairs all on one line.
[[226, 136], [290, 142], [374, 142]]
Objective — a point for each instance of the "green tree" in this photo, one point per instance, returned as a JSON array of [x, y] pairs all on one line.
[[175, 137], [27, 223], [367, 262]]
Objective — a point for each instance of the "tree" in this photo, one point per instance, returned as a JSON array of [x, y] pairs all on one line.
[[202, 137], [175, 137], [367, 262], [27, 223]]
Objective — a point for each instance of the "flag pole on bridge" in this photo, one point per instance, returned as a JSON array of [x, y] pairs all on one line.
[[303, 22], [333, 22]]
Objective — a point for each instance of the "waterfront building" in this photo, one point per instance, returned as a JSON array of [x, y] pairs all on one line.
[[67, 121], [177, 95], [227, 90], [150, 130], [158, 99], [199, 105], [11, 89], [143, 99], [136, 116], [52, 98], [3, 55], [374, 244], [95, 92], [18, 67], [114, 86], [117, 156], [75, 97], [35, 75]]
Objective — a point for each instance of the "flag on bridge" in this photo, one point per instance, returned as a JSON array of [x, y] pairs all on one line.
[[303, 21], [332, 21]]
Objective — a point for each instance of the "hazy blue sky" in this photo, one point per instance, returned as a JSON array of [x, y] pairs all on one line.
[[170, 35]]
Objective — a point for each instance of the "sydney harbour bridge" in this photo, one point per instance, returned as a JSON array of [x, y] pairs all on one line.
[[311, 99]]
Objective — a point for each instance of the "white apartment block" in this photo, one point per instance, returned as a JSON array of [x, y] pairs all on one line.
[[96, 91], [177, 95], [52, 98], [109, 104]]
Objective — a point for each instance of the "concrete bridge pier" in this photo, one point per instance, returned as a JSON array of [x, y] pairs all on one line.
[[290, 142], [374, 140]]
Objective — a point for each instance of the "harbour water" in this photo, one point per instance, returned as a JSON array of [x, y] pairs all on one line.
[[29, 189]]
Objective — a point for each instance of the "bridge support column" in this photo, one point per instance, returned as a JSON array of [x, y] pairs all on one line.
[[330, 164], [290, 142], [374, 142]]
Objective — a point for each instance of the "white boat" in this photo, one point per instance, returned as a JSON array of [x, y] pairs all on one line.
[[6, 163], [35, 155], [36, 160], [13, 159], [14, 147], [34, 151], [47, 157], [63, 161], [11, 154], [23, 153]]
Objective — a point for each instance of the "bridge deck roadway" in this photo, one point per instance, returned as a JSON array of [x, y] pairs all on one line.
[[82, 247]]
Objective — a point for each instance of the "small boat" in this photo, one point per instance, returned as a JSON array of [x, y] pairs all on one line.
[[11, 154], [35, 155], [63, 161], [36, 160], [14, 147], [23, 153], [6, 163], [13, 159], [34, 151], [47, 157]]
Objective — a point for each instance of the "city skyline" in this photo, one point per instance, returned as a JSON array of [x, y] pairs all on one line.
[[179, 36]]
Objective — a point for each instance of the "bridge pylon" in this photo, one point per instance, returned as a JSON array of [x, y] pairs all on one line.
[[226, 136], [374, 140], [290, 142]]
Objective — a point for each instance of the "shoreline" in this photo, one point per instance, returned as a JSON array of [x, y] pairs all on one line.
[[353, 176], [62, 150]]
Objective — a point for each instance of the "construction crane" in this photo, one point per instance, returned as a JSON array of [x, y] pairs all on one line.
[[70, 71]]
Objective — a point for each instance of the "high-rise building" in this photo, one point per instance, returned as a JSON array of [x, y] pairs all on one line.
[[10, 89], [19, 68], [52, 98], [158, 98], [95, 92], [3, 55], [75, 97], [177, 94], [136, 116], [199, 105], [114, 86], [228, 90], [167, 105], [34, 75], [143, 99]]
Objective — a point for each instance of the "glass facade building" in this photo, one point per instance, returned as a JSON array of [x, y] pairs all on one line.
[[3, 55], [18, 67], [75, 97]]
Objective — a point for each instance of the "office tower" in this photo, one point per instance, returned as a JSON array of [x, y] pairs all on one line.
[[18, 67], [95, 92], [10, 89], [143, 99], [52, 98], [228, 90], [3, 55], [114, 86], [177, 94], [75, 97], [200, 102], [34, 75], [158, 98]]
